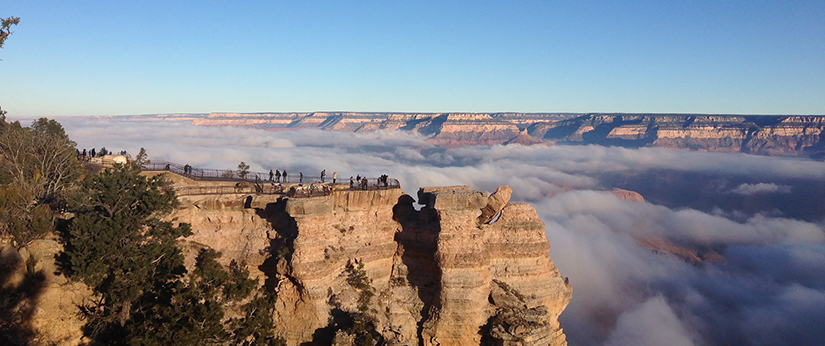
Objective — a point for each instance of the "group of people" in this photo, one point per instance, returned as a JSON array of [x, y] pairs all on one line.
[[83, 155], [358, 182], [324, 176], [363, 184], [276, 177]]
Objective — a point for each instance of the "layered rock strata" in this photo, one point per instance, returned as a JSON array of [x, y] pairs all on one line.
[[766, 135], [465, 269], [433, 271], [757, 134]]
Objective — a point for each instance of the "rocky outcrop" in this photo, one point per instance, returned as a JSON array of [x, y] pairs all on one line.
[[44, 301], [463, 269], [441, 275], [627, 195], [525, 139], [495, 203], [433, 270]]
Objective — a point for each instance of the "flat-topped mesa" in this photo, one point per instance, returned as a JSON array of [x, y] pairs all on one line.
[[447, 274]]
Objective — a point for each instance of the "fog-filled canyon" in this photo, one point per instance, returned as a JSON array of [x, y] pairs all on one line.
[[726, 248]]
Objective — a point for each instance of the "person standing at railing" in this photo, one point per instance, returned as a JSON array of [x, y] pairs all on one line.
[[323, 175], [186, 169], [271, 175], [277, 176], [284, 174], [334, 177], [300, 177], [351, 182]]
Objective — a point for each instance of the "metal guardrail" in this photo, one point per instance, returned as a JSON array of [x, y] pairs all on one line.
[[252, 183]]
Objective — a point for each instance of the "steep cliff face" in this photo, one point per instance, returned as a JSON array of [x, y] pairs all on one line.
[[437, 273], [766, 135], [465, 269]]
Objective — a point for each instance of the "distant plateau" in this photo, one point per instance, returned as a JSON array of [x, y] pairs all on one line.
[[785, 135]]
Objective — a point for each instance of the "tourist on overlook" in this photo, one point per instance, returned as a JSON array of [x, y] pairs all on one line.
[[271, 176], [334, 177], [92, 152], [284, 174], [186, 169], [323, 175], [300, 177], [277, 176], [351, 182]]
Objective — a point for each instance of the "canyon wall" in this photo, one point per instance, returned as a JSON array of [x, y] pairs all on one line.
[[465, 269], [757, 134]]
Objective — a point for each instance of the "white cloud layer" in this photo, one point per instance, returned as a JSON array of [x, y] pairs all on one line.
[[769, 290], [752, 189]]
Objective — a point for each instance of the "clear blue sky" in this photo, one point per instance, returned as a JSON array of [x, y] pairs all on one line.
[[136, 57]]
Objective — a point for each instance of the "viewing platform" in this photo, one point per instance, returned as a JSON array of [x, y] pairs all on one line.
[[206, 181]]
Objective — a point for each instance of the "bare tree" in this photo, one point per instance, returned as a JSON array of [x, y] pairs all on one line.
[[40, 159]]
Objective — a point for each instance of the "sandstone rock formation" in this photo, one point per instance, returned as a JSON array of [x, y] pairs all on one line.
[[442, 275], [465, 269], [757, 134], [433, 270], [51, 301], [525, 139], [627, 195]]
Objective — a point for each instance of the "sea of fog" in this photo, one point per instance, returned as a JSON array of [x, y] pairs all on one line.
[[764, 215]]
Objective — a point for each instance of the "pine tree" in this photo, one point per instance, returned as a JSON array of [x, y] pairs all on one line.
[[118, 245], [243, 170], [192, 313]]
